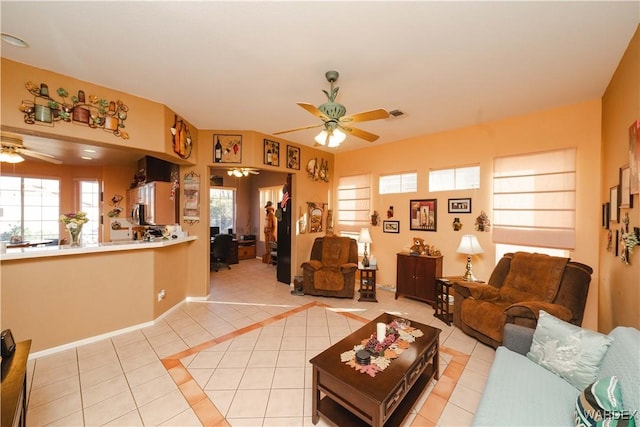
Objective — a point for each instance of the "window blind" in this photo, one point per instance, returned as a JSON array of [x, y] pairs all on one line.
[[534, 199], [354, 202]]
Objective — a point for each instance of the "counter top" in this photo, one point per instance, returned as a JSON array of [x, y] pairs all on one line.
[[66, 250]]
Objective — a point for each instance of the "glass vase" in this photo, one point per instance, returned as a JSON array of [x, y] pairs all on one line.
[[75, 236]]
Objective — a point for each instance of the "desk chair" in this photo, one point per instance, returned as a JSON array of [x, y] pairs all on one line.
[[221, 251]]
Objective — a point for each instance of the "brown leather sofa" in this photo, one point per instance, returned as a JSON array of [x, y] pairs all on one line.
[[520, 286], [331, 271]]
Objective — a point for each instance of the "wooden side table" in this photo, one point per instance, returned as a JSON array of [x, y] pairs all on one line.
[[444, 299], [367, 283]]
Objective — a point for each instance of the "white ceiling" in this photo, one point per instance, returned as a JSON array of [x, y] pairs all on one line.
[[243, 65]]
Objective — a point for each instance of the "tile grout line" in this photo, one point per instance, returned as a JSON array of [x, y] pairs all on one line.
[[209, 414]]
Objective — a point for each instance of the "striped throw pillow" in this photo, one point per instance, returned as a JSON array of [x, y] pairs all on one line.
[[600, 404]]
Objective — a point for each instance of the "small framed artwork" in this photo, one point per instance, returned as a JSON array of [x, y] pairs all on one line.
[[634, 157], [626, 201], [391, 226], [605, 215], [459, 206], [227, 148], [614, 208], [423, 215], [293, 157], [271, 153]]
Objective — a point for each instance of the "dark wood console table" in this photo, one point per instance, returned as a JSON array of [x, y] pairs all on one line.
[[14, 387]]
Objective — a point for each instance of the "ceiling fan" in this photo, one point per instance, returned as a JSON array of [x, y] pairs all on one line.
[[12, 150], [334, 121], [240, 172]]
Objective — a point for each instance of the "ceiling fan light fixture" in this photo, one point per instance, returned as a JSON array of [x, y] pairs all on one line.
[[10, 156], [336, 137]]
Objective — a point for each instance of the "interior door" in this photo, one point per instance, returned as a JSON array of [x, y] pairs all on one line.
[[284, 240]]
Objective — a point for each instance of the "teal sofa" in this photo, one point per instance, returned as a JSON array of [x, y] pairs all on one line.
[[519, 392]]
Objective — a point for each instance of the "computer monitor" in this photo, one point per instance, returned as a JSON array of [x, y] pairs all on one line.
[[214, 231]]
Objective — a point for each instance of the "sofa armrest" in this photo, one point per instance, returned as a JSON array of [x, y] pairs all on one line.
[[348, 267], [312, 265], [531, 310], [475, 290], [517, 338]]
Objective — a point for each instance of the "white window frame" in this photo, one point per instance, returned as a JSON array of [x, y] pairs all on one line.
[[89, 202], [406, 182], [14, 214], [233, 206], [450, 179]]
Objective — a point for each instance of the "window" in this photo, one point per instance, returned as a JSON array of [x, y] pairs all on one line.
[[90, 203], [30, 208], [354, 202], [463, 178], [534, 199], [269, 194], [400, 183], [222, 208]]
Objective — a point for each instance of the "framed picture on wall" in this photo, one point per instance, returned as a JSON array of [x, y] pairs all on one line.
[[391, 226], [614, 208], [459, 206], [626, 201], [271, 153], [423, 215], [634, 157], [605, 215], [293, 157], [227, 148]]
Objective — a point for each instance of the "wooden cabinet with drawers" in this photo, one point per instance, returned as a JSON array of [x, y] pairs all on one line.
[[246, 249]]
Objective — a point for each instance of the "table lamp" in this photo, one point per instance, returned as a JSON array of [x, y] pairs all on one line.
[[469, 245], [365, 238]]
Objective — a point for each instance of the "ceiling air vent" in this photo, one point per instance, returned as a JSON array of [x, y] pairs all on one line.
[[396, 113]]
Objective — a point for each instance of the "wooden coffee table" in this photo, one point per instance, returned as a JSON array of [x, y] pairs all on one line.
[[348, 397]]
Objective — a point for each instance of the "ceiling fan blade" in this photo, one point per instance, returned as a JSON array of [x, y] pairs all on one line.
[[362, 134], [42, 156], [297, 129], [366, 116], [314, 110]]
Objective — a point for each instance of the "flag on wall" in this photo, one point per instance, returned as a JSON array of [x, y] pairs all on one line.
[[285, 197]]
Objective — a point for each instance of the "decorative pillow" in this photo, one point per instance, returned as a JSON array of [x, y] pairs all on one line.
[[600, 404], [567, 350]]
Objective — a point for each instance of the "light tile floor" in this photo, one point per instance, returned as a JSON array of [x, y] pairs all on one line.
[[240, 358]]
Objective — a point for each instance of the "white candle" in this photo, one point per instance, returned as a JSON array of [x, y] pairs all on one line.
[[381, 331]]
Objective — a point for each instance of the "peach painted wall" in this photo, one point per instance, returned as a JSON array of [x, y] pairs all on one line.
[[620, 284], [570, 126]]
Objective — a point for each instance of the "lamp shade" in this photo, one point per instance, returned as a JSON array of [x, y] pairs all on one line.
[[469, 245], [365, 236], [10, 156]]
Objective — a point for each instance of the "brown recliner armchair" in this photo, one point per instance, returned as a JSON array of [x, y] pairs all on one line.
[[331, 271], [520, 286]]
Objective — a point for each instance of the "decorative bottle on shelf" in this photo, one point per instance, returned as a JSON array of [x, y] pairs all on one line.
[[269, 156], [217, 156], [80, 114]]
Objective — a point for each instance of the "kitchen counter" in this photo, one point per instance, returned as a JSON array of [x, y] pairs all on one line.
[[59, 296], [66, 250]]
